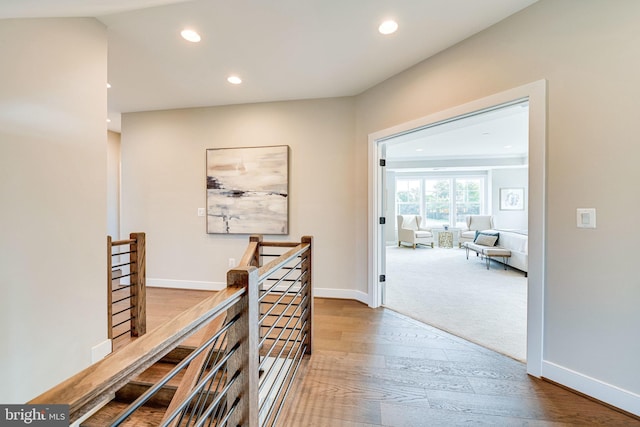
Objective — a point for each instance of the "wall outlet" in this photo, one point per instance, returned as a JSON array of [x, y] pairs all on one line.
[[232, 262], [201, 211]]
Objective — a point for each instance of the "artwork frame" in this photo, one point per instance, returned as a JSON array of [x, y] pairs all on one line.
[[512, 199], [247, 190]]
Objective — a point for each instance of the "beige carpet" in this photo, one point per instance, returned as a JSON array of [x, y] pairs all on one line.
[[442, 288]]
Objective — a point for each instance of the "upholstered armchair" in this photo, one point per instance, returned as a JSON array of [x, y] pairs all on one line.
[[475, 223], [410, 231]]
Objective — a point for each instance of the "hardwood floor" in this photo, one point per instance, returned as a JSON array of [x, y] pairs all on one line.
[[379, 368], [164, 304]]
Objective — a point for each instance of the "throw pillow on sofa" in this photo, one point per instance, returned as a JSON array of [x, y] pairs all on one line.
[[487, 238]]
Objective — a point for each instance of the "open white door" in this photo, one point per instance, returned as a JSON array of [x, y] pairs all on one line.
[[377, 223], [384, 218]]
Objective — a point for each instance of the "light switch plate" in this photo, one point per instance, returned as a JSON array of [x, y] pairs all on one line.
[[586, 217], [201, 211]]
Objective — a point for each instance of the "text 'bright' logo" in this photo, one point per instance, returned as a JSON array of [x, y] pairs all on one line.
[[37, 415]]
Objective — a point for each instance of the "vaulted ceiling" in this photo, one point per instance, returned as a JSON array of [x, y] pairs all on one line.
[[282, 49]]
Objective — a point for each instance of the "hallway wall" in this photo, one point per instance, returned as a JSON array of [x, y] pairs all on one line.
[[53, 191]]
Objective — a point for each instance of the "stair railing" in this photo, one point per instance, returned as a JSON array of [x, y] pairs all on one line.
[[126, 287], [253, 335], [285, 320]]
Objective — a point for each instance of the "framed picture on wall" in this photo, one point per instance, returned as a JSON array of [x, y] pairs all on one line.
[[512, 199], [248, 190]]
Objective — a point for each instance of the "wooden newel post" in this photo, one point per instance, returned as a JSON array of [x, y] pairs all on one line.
[[138, 286], [306, 266], [109, 289], [245, 359], [257, 238]]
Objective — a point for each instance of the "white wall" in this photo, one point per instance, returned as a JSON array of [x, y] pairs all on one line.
[[53, 195], [509, 178], [585, 50], [113, 185], [164, 182]]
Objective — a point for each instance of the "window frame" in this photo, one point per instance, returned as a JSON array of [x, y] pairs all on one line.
[[452, 177]]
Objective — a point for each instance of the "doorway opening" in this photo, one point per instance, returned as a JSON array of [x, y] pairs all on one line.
[[535, 95], [453, 177]]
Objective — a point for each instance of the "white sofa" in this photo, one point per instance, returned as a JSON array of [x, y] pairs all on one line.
[[411, 231], [517, 242]]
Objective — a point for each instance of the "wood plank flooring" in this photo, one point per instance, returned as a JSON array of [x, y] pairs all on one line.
[[164, 304], [379, 368]]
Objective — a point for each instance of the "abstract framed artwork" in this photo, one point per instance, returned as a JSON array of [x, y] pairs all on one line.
[[512, 199], [248, 190]]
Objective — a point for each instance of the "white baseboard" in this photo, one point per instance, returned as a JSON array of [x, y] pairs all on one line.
[[186, 284], [341, 294], [216, 286], [99, 351], [607, 393]]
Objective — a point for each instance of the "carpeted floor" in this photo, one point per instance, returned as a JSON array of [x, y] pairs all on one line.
[[442, 288]]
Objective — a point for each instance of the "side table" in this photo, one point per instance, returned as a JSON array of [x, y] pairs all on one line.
[[445, 239]]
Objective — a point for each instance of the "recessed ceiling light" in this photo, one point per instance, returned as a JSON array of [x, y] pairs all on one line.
[[108, 120], [108, 86], [418, 149], [190, 35], [234, 80], [388, 27]]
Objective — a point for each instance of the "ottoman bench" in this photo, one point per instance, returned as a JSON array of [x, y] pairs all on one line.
[[488, 252]]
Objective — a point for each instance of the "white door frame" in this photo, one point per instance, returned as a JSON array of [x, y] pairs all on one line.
[[536, 93]]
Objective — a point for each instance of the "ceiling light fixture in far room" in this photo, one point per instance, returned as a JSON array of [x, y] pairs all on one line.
[[234, 80], [388, 27], [108, 86], [190, 35]]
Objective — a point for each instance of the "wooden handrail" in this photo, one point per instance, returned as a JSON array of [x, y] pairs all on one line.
[[252, 253], [280, 244], [249, 254], [89, 387], [123, 242]]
